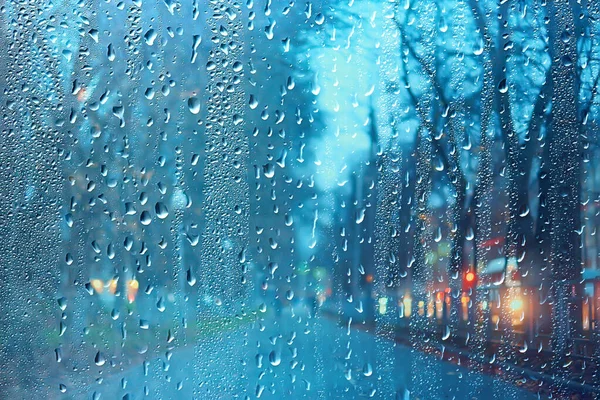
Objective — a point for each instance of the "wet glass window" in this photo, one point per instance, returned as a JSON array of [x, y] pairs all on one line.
[[285, 199]]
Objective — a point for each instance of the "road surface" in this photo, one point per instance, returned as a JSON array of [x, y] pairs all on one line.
[[293, 357]]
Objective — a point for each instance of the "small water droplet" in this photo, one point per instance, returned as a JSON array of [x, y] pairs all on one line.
[[69, 220], [360, 215], [99, 359], [111, 53], [160, 304], [191, 279], [503, 86]]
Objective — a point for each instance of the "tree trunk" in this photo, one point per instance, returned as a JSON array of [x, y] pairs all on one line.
[[564, 159]]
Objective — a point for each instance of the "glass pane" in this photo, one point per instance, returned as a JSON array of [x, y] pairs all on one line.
[[389, 199]]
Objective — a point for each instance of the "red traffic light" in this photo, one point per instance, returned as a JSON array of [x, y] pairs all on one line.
[[470, 277], [469, 281]]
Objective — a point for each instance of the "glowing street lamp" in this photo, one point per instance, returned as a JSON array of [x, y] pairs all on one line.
[[132, 288], [97, 285]]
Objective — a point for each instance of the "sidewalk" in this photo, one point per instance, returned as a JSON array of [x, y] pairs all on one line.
[[529, 369]]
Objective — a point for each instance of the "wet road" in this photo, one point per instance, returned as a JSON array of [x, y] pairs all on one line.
[[294, 357]]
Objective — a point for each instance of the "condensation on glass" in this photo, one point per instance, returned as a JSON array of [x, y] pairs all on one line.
[[388, 199]]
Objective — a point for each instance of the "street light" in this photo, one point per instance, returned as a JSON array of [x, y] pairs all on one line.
[[132, 288], [97, 285], [407, 302], [469, 281]]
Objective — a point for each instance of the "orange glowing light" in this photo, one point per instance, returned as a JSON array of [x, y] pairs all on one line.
[[98, 285], [470, 277], [132, 288], [112, 286]]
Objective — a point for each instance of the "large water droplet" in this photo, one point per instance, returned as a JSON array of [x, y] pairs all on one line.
[[194, 105], [145, 218], [150, 37], [161, 210], [275, 358]]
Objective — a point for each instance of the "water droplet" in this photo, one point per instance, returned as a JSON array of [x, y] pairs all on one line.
[[150, 37], [69, 220], [110, 251], [99, 359], [438, 235], [269, 170], [111, 53], [275, 358], [161, 210], [197, 39], [443, 25], [191, 279], [160, 304], [269, 29], [273, 266], [194, 105], [470, 234], [237, 66], [128, 243], [446, 333], [211, 66], [503, 86], [478, 48], [149, 93], [145, 218], [93, 34], [289, 220], [360, 215], [62, 303], [253, 103], [259, 390]]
